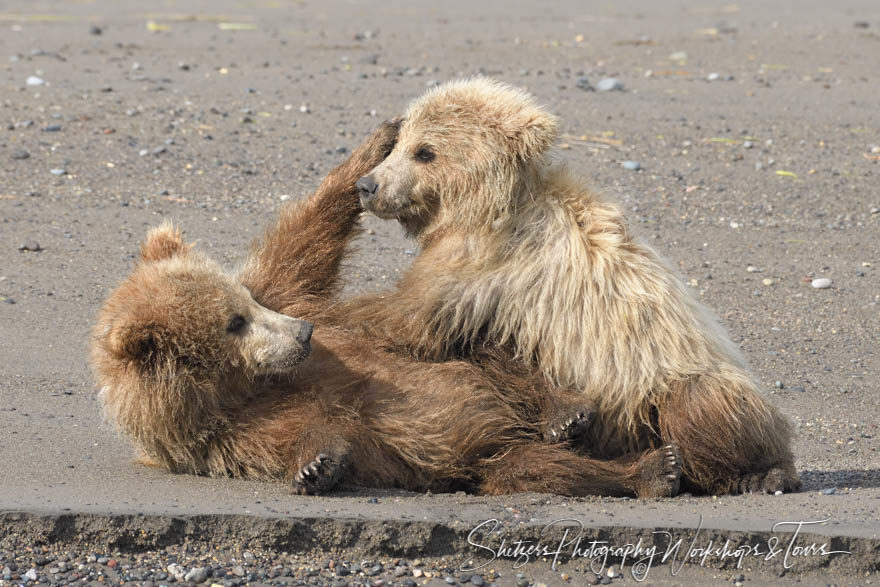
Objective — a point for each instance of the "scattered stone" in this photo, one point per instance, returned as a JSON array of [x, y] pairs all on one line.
[[821, 283], [828, 491], [748, 144], [371, 59], [861, 24], [752, 269], [584, 84], [32, 246], [678, 56], [58, 171], [777, 492], [477, 580], [609, 84], [713, 77], [767, 281], [31, 574], [52, 128], [95, 30], [779, 385], [34, 80], [20, 155], [631, 165], [196, 575], [305, 109], [159, 150], [418, 573]]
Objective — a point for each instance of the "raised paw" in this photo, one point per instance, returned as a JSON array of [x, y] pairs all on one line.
[[320, 475], [372, 151], [658, 473], [568, 427]]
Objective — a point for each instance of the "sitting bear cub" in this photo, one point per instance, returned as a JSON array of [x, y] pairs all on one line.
[[519, 257], [209, 373]]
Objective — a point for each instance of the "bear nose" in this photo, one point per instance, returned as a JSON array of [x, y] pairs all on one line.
[[367, 187], [305, 332]]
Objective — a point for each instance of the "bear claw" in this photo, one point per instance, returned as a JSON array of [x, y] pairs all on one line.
[[319, 476], [570, 428], [659, 473]]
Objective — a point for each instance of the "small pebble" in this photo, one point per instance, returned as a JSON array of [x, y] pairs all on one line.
[[584, 84], [196, 575], [35, 81], [31, 574], [752, 269], [58, 171], [713, 77], [477, 580], [748, 144], [32, 246], [632, 165], [418, 573], [52, 128], [777, 492], [95, 30], [20, 155], [678, 56], [821, 283], [829, 491], [305, 109], [767, 281], [778, 385], [609, 84]]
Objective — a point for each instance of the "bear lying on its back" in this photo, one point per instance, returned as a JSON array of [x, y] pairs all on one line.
[[209, 374]]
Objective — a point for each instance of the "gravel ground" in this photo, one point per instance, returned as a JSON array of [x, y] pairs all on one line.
[[743, 140]]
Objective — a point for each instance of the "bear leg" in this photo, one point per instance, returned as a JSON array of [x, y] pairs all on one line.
[[549, 468], [731, 439]]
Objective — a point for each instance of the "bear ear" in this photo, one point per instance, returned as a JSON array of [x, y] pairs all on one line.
[[163, 242], [142, 344], [534, 135]]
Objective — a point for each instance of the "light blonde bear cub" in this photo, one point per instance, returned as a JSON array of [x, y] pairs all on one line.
[[519, 258]]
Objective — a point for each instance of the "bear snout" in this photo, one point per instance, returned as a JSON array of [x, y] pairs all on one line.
[[305, 332], [367, 187]]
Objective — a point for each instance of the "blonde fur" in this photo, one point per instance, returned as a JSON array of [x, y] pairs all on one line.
[[518, 255]]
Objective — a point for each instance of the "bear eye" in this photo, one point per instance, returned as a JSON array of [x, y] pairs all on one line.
[[236, 323], [425, 154]]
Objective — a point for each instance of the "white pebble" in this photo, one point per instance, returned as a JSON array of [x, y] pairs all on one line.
[[821, 283], [752, 269], [35, 81], [777, 493], [713, 76], [305, 109], [608, 84], [632, 165]]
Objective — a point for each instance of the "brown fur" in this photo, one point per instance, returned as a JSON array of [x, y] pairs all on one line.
[[207, 372], [519, 258]]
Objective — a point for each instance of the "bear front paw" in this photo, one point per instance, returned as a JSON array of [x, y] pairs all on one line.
[[320, 475]]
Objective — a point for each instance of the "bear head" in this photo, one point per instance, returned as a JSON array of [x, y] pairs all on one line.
[[180, 343], [464, 157]]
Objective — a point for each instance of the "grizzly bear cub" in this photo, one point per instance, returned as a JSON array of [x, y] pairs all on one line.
[[520, 258], [209, 373]]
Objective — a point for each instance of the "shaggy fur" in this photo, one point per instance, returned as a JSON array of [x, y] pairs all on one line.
[[207, 372], [519, 258]]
